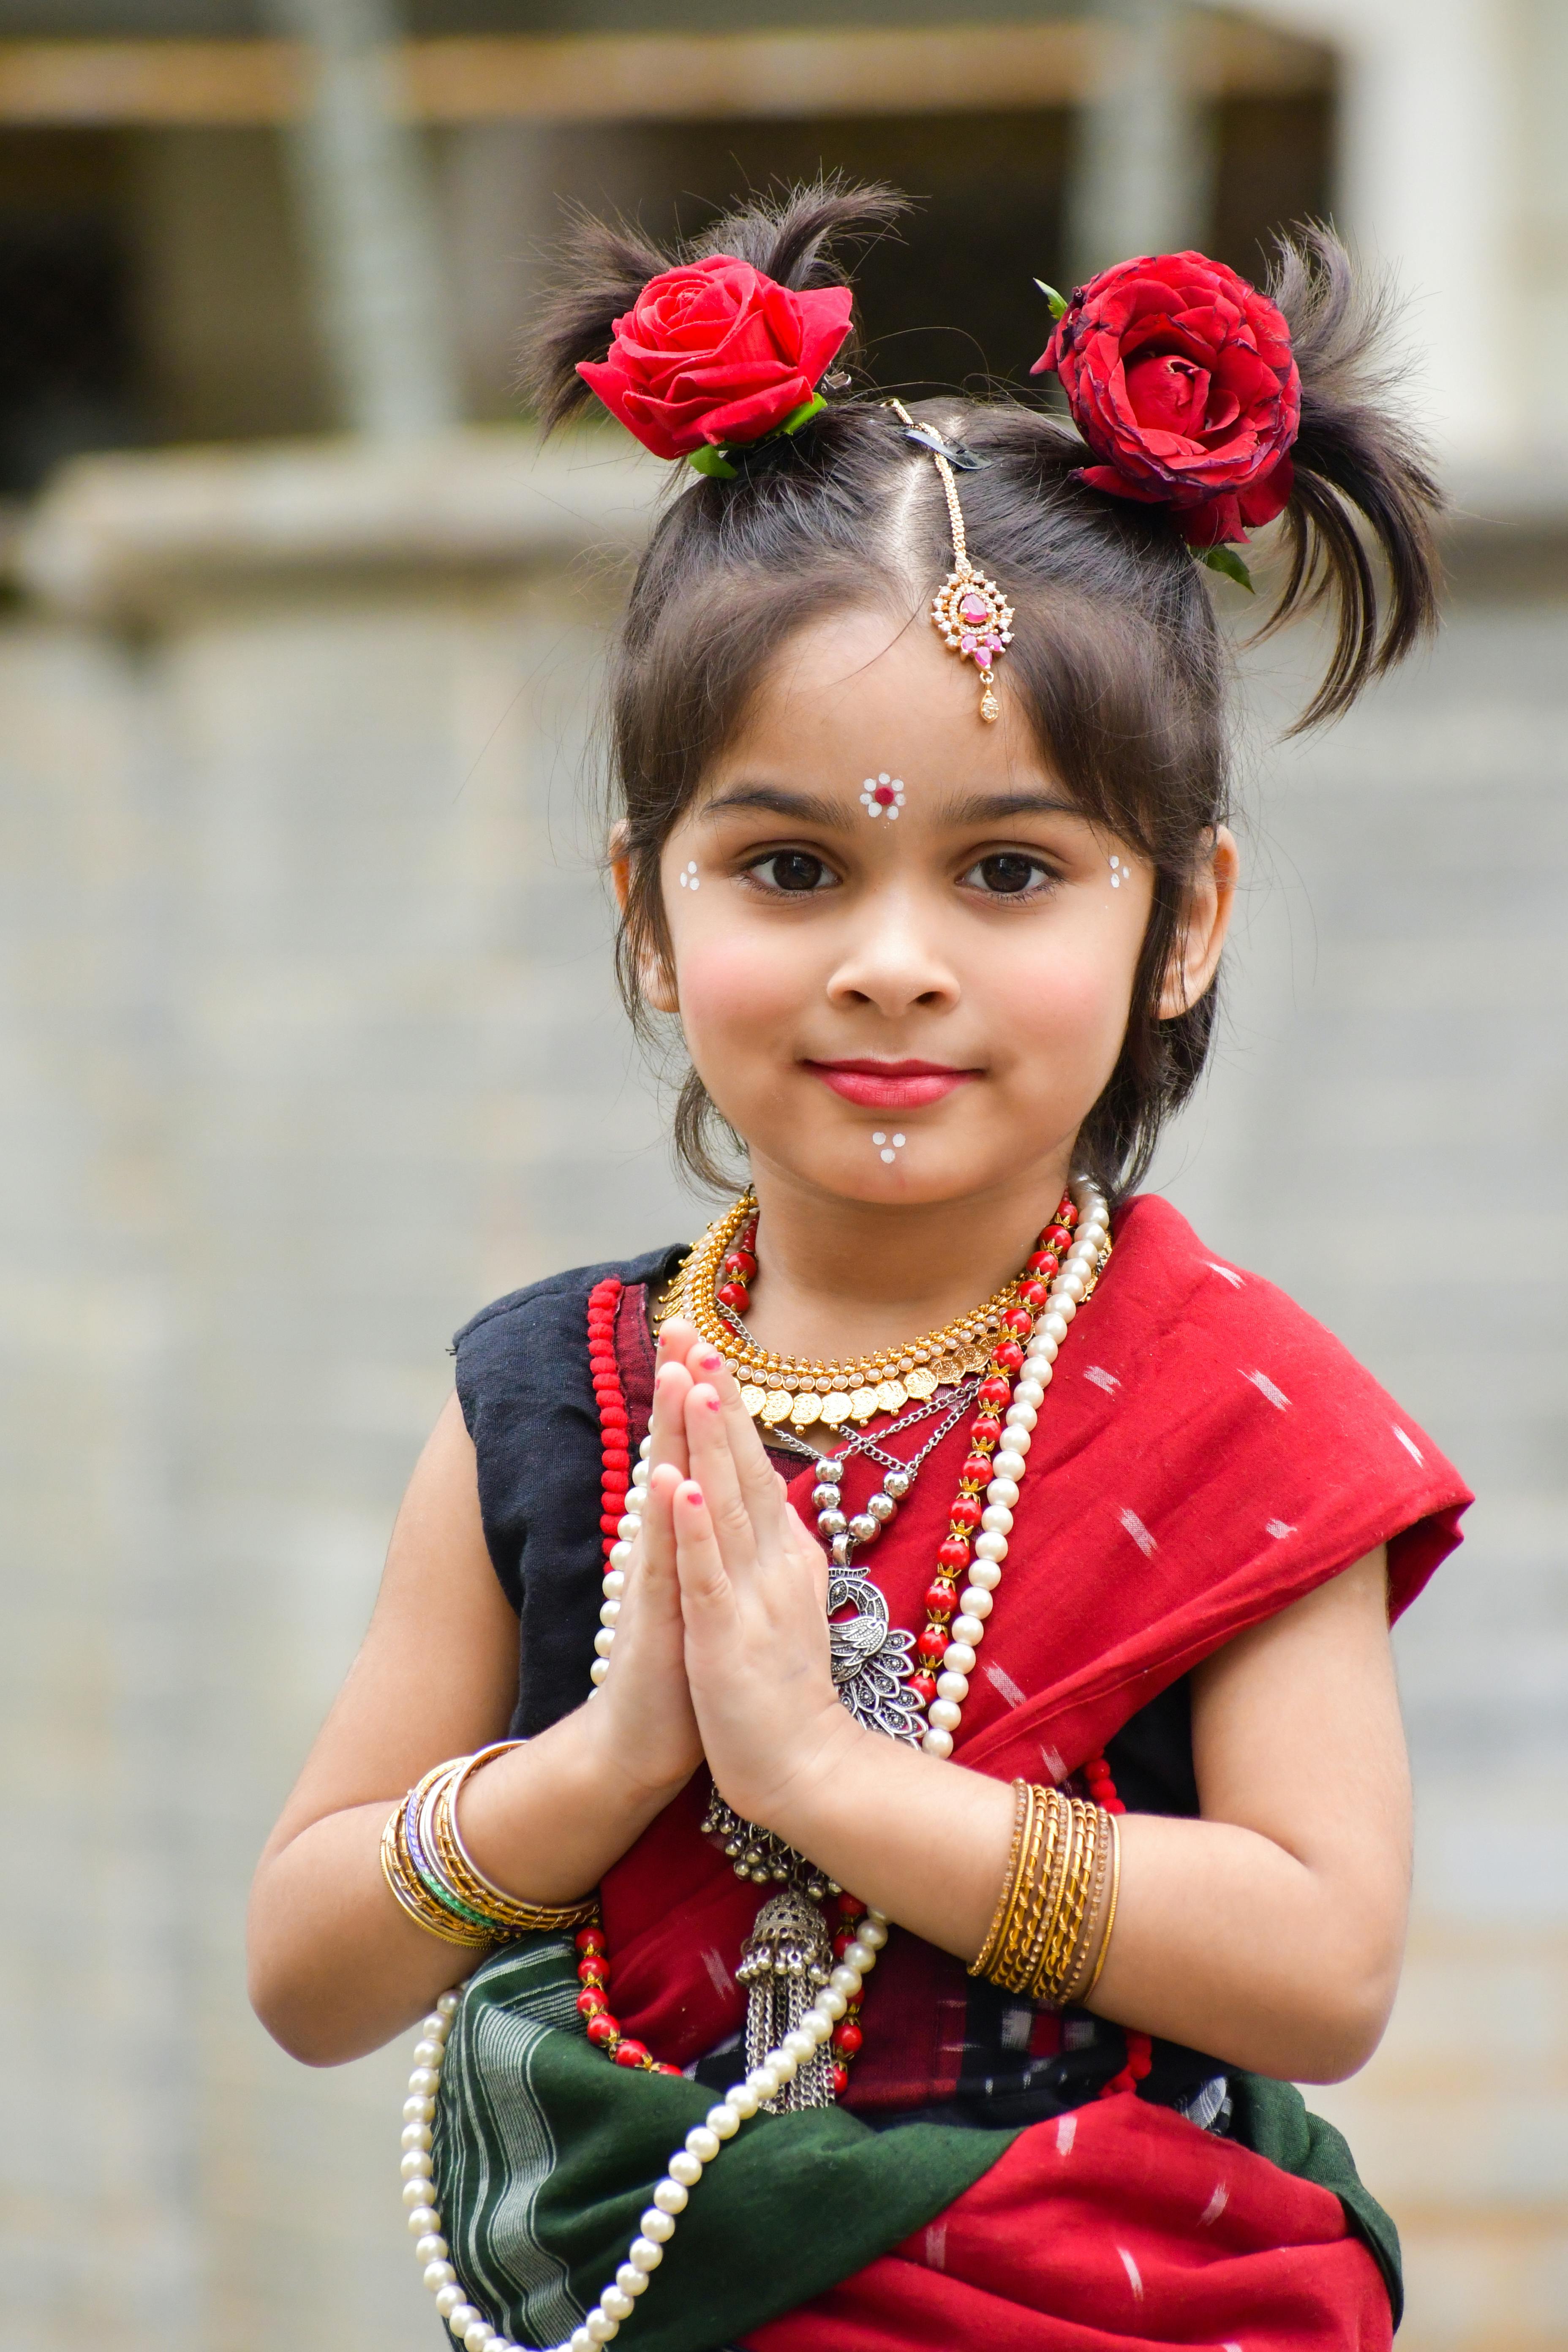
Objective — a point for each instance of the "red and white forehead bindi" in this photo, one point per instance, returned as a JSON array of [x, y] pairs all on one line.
[[882, 794]]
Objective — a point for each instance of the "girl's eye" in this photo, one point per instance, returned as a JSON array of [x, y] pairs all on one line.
[[1009, 874], [794, 870]]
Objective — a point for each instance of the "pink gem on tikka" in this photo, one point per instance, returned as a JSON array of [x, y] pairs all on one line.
[[882, 796]]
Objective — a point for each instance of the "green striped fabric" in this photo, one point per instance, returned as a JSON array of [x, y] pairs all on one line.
[[546, 2159]]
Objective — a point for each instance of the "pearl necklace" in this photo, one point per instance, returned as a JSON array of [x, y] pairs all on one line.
[[1080, 1271], [672, 2195], [617, 2301]]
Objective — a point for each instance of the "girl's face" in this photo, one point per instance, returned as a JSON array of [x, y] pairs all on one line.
[[922, 1005]]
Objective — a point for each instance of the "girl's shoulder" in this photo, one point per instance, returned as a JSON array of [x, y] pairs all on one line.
[[1173, 1291], [527, 1389], [531, 1334], [1222, 1375], [518, 1311]]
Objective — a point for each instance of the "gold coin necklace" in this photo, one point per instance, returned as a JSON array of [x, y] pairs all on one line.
[[711, 1288]]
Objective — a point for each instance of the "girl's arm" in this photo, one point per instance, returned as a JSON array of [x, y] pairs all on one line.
[[336, 1966], [1268, 1932]]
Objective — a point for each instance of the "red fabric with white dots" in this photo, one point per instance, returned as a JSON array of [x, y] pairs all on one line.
[[1205, 1454], [1118, 2228]]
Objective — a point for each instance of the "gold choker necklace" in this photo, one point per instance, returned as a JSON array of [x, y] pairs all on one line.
[[775, 1389]]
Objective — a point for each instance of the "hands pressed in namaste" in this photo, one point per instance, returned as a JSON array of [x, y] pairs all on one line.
[[722, 1541]]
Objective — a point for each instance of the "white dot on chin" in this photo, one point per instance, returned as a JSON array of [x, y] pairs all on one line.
[[898, 1142], [887, 1155], [879, 1136]]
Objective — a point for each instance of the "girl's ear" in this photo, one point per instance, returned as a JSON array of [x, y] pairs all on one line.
[[656, 977], [1209, 904], [620, 863]]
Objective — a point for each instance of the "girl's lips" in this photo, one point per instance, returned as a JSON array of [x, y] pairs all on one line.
[[891, 1086]]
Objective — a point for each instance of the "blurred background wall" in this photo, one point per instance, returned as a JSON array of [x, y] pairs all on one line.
[[307, 1045]]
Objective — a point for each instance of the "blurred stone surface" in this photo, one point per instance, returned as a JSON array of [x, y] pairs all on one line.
[[1384, 1135], [308, 1046]]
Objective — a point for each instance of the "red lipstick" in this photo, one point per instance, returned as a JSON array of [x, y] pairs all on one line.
[[876, 1085]]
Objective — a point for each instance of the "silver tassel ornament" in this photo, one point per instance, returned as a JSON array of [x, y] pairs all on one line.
[[785, 1963]]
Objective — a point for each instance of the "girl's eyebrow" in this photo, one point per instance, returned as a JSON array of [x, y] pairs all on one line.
[[807, 808], [996, 808]]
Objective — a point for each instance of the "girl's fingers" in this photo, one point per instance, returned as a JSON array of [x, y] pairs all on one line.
[[802, 1545], [699, 1563], [659, 1526], [713, 1469], [675, 1342], [671, 1387], [758, 1479]]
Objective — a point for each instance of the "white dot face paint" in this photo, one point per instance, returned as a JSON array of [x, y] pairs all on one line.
[[888, 1145], [688, 880], [882, 796], [1120, 873]]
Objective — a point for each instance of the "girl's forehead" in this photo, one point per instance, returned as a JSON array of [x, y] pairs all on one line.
[[863, 694]]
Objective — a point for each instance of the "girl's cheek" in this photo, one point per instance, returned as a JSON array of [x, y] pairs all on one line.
[[725, 982], [1078, 985]]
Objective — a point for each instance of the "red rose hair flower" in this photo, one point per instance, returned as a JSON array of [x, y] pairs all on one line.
[[1179, 374], [714, 352]]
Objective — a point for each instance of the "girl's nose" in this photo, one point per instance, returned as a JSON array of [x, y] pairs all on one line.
[[891, 963]]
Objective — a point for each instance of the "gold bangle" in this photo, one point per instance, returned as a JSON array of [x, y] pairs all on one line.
[[511, 1914], [1054, 1882], [1045, 1934], [1025, 1898], [1080, 1972], [1086, 1944], [1037, 1870], [416, 1843], [1025, 1881], [410, 1894], [1067, 1911], [1023, 1802], [413, 1846], [430, 1860], [1110, 1907], [1057, 1964]]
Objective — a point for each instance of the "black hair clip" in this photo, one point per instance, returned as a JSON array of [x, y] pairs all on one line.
[[963, 460]]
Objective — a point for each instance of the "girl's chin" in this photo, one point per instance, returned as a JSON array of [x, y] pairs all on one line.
[[892, 1165]]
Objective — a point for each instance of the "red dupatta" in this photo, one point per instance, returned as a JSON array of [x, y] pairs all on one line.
[[1206, 1454]]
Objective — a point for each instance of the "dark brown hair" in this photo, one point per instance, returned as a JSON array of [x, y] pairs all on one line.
[[1116, 656]]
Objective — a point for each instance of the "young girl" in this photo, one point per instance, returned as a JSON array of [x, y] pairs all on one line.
[[896, 1703]]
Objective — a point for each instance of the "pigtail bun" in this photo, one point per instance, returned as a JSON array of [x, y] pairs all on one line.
[[1232, 405], [1353, 456], [602, 268], [793, 238], [797, 236]]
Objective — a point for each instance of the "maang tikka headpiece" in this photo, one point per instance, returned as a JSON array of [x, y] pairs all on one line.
[[969, 611]]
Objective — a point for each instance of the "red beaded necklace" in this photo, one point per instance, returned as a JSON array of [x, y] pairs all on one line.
[[941, 1599]]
